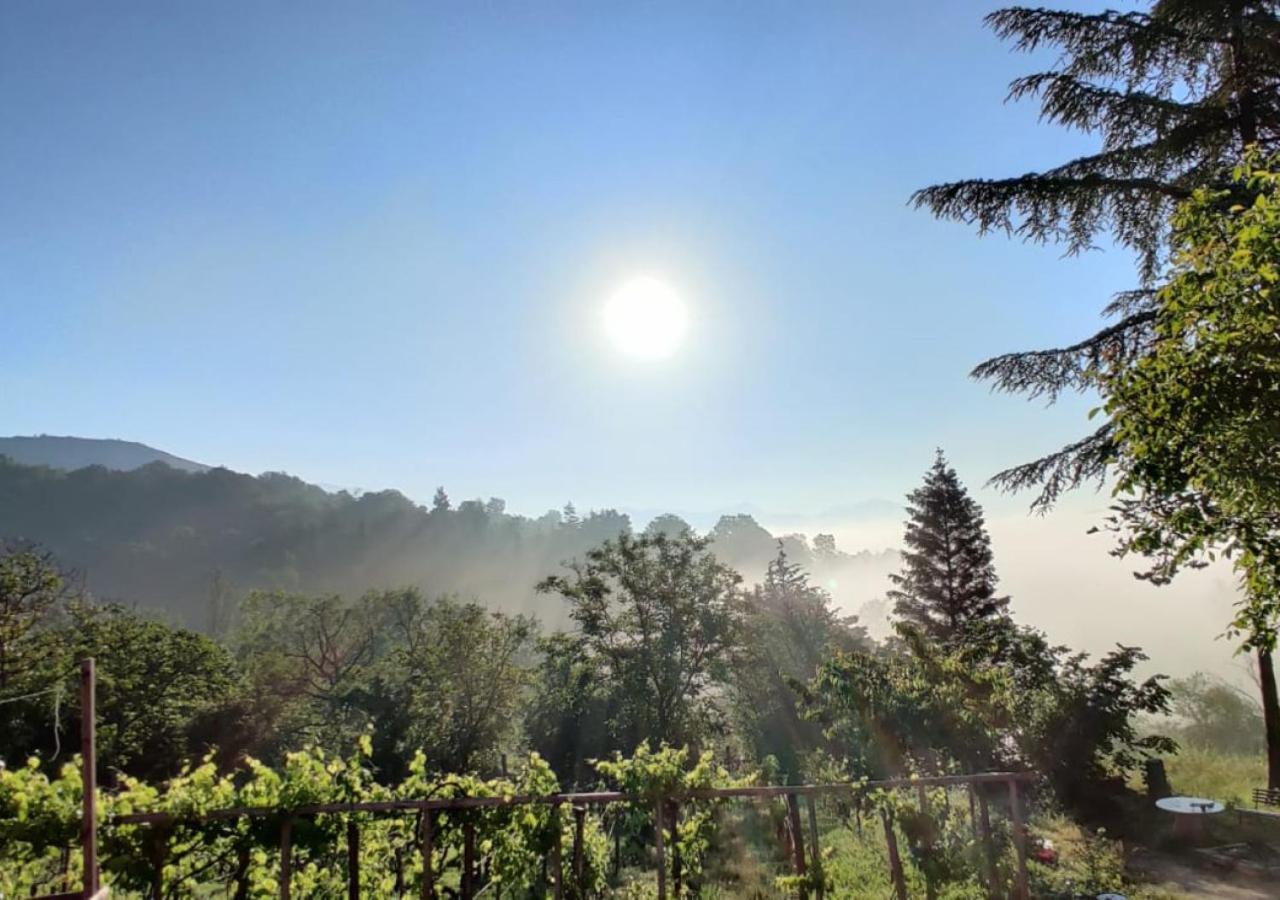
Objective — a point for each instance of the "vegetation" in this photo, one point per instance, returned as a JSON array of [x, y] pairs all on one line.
[[396, 695], [1184, 99], [189, 545], [1196, 415], [948, 581], [1176, 94], [663, 671]]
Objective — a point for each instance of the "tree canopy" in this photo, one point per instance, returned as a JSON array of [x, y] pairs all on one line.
[[1175, 94], [948, 579]]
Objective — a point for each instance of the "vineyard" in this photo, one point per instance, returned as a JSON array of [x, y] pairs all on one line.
[[321, 826]]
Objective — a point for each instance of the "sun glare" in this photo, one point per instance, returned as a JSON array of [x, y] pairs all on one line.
[[645, 318]]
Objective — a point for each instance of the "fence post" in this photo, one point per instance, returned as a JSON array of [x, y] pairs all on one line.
[[1019, 839], [815, 847], [661, 849], [468, 859], [286, 857], [158, 840], [242, 873], [677, 863], [428, 873], [617, 844], [993, 873], [973, 811], [579, 856], [797, 839], [89, 774], [895, 860], [557, 860], [353, 858]]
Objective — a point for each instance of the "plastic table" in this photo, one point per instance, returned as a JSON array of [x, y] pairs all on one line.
[[1189, 814]]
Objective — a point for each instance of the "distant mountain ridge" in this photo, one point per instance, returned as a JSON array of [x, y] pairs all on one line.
[[188, 540], [70, 453]]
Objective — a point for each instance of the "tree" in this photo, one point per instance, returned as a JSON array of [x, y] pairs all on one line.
[[32, 586], [458, 674], [1196, 415], [791, 628], [669, 524], [440, 502], [1214, 715], [824, 546], [948, 579], [568, 718], [569, 516], [155, 687], [743, 543], [1176, 95], [659, 616], [1003, 699], [306, 658]]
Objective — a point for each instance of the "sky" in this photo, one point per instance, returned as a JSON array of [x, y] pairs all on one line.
[[368, 243]]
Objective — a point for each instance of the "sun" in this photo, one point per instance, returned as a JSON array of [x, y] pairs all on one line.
[[646, 319]]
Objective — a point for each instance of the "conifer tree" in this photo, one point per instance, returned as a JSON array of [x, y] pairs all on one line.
[[1175, 94], [440, 502], [948, 578]]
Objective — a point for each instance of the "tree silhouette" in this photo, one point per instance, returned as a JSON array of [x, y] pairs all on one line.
[[948, 579]]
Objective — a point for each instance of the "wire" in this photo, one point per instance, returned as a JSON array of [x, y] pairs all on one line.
[[57, 723], [57, 688]]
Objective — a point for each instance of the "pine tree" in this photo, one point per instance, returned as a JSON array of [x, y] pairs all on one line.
[[948, 578], [1175, 95], [440, 502], [569, 516]]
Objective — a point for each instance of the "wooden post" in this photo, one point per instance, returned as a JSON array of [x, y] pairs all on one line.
[[242, 873], [428, 872], [89, 774], [286, 857], [815, 847], [353, 858], [797, 838], [158, 841], [468, 859], [895, 860], [973, 811], [1019, 840], [661, 848], [677, 864], [557, 856], [922, 797], [617, 845], [579, 855], [993, 873]]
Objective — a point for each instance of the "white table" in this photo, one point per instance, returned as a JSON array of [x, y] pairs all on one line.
[[1189, 813]]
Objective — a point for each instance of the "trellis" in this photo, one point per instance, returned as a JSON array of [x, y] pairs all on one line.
[[665, 816], [665, 811]]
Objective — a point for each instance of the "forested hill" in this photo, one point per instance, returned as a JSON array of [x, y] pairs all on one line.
[[76, 452], [191, 543]]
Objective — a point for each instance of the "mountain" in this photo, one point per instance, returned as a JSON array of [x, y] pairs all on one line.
[[70, 453], [190, 543]]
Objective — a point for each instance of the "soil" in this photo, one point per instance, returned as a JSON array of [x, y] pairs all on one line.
[[1190, 877]]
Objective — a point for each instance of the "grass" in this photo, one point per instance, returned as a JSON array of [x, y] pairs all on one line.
[[1224, 777]]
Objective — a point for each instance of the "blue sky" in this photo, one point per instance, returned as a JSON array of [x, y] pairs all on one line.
[[367, 243]]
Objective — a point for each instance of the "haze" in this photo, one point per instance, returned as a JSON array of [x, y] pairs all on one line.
[[370, 246]]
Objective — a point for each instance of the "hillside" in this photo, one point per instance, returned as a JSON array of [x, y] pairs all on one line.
[[70, 453], [189, 543]]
